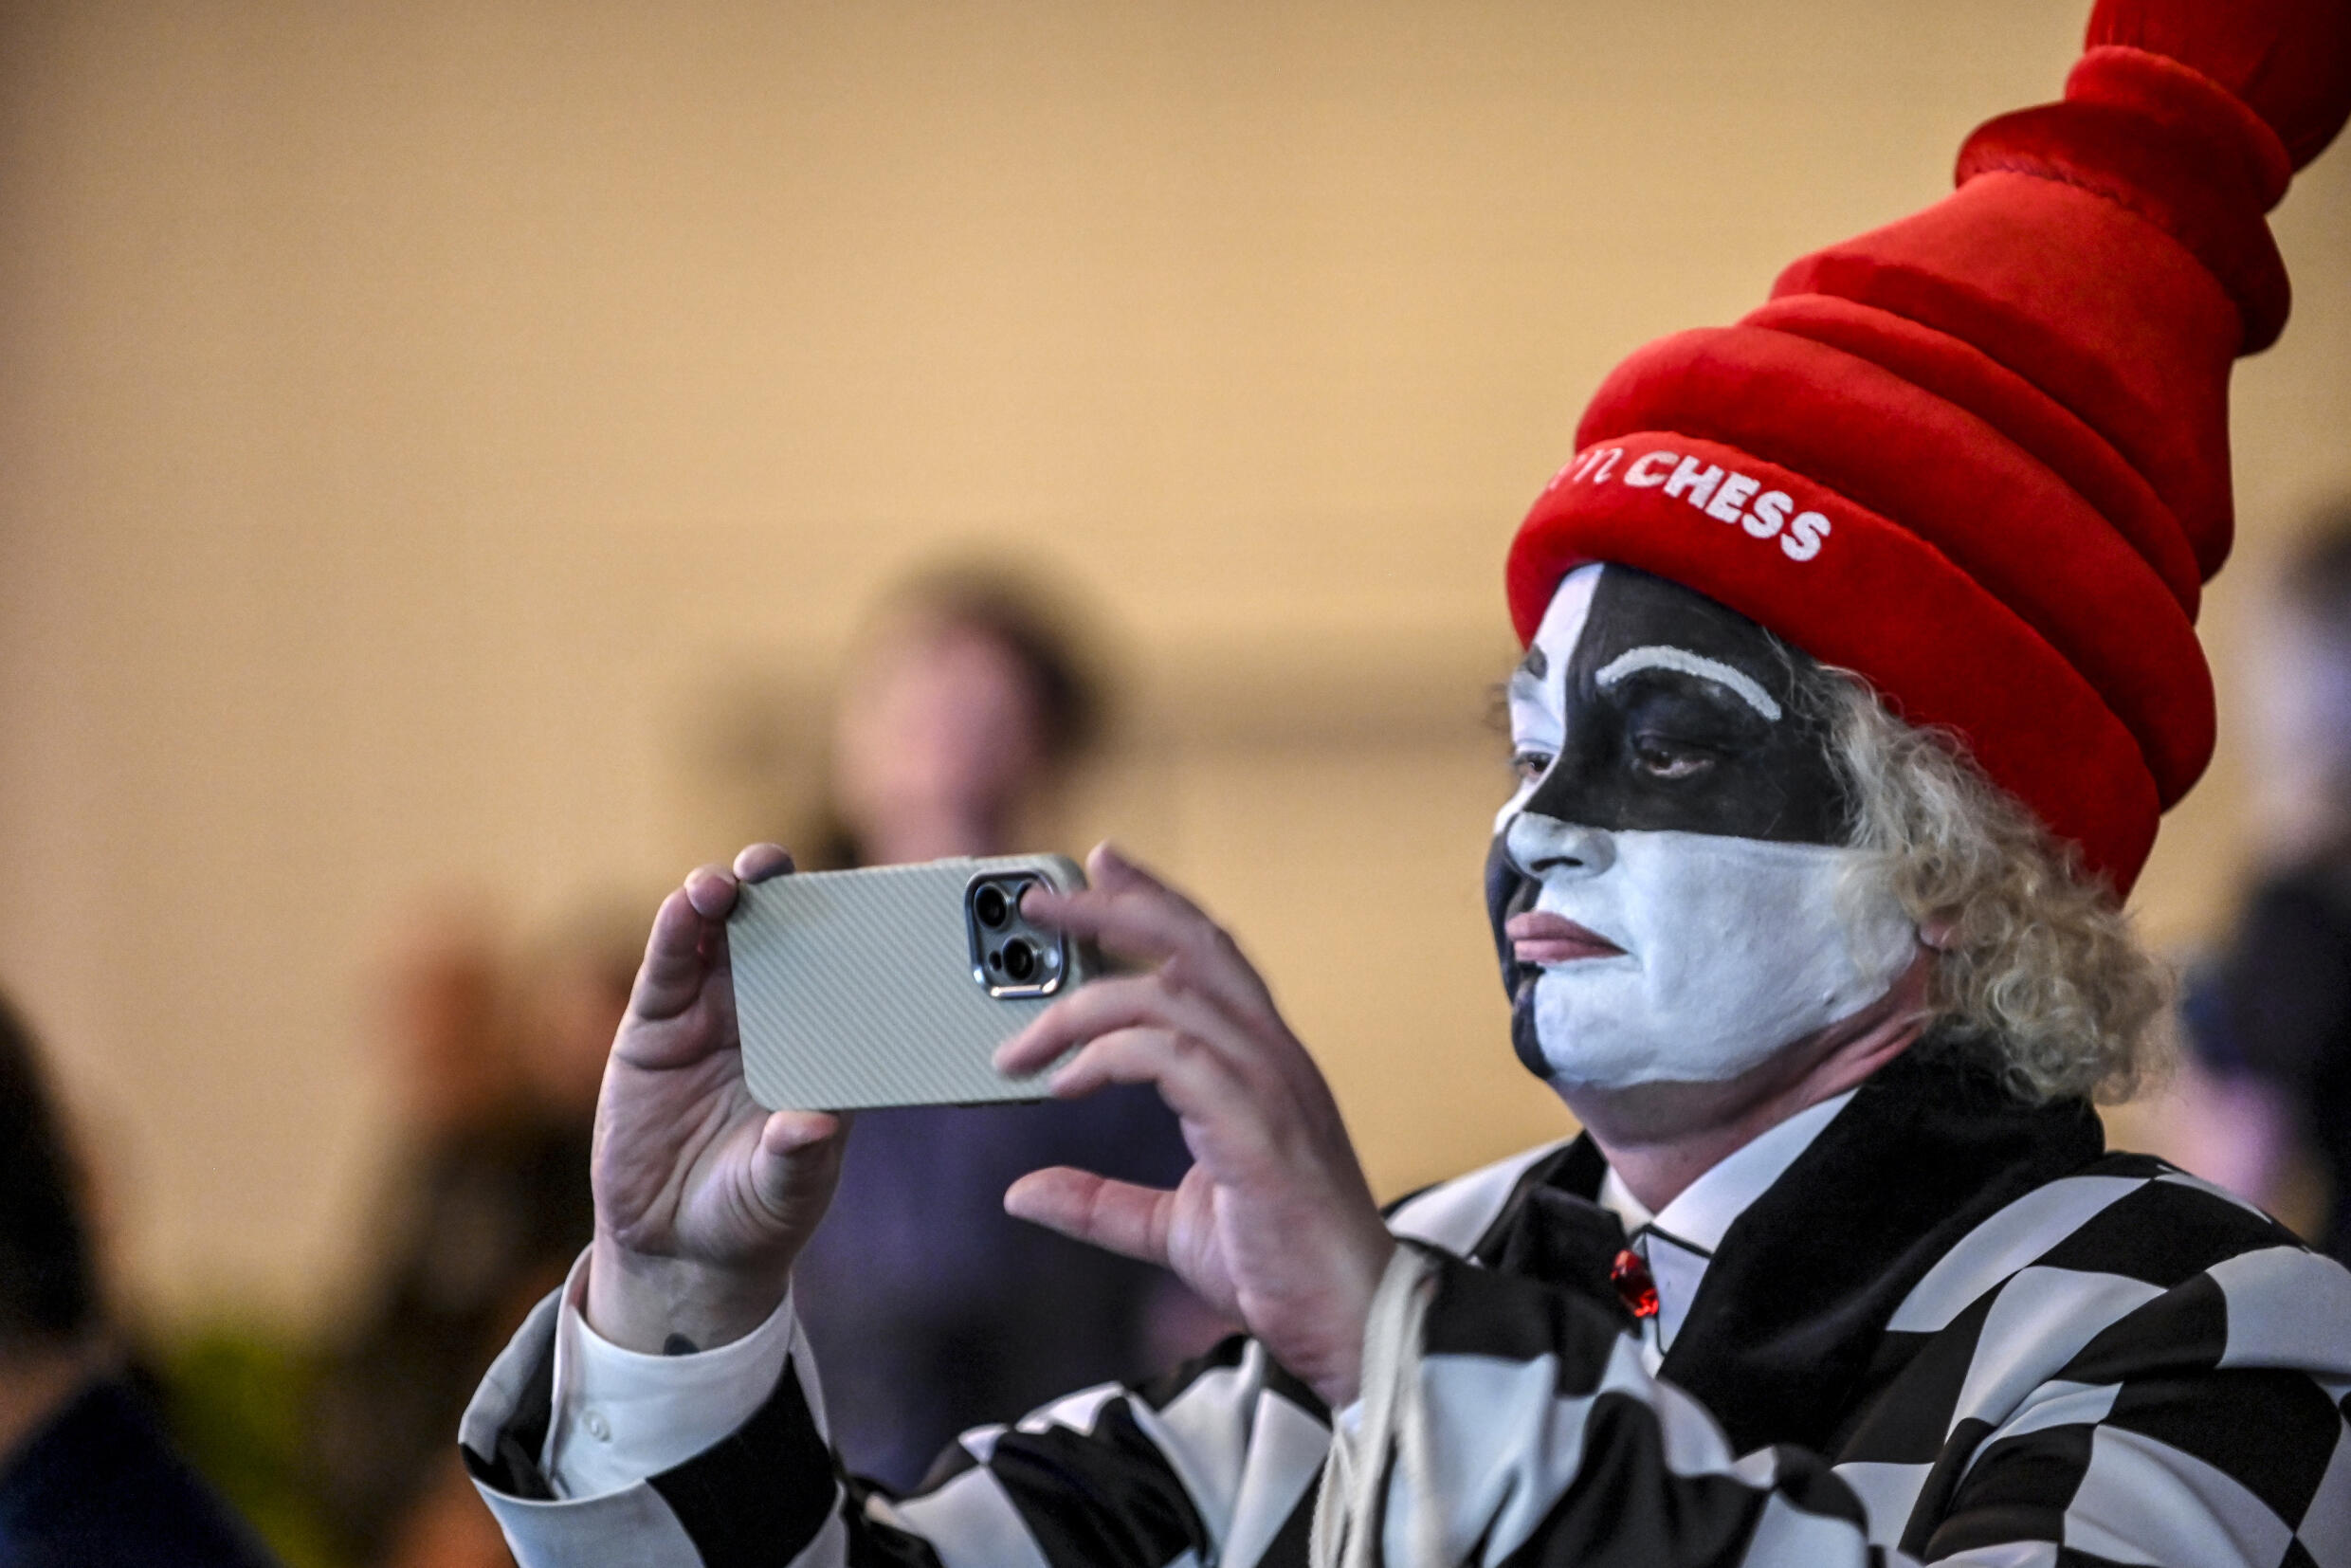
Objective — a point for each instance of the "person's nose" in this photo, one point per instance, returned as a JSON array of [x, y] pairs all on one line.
[[1543, 847]]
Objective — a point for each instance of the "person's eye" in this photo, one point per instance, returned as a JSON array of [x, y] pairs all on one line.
[[1530, 764], [1663, 759]]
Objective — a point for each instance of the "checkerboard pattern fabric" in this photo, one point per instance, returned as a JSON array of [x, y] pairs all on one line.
[[2011, 1348]]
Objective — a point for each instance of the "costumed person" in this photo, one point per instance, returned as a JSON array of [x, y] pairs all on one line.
[[1860, 666]]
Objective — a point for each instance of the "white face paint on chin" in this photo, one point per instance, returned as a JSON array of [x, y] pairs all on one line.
[[1729, 949]]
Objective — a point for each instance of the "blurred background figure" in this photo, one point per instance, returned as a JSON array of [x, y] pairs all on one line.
[[458, 1220], [570, 987], [86, 1476], [965, 705], [498, 1062], [2267, 1108]]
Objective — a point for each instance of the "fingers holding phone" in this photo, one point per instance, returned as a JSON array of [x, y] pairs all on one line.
[[1276, 1221], [892, 985], [703, 1197]]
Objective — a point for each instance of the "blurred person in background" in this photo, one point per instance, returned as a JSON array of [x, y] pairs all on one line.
[[569, 993], [451, 1224], [87, 1479], [965, 705], [2268, 1021], [496, 1064]]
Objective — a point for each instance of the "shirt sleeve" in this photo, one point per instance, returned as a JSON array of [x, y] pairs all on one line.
[[619, 1416], [1216, 1459]]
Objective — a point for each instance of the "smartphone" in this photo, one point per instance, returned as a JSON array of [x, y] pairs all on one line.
[[894, 985]]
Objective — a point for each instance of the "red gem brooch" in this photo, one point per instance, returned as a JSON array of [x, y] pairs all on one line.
[[1634, 1285]]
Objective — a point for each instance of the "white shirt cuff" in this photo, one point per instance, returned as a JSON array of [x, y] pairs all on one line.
[[621, 1416]]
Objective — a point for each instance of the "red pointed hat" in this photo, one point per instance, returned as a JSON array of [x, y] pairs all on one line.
[[1981, 456]]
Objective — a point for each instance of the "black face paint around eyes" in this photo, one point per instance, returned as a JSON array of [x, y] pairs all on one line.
[[1761, 778], [1741, 776], [1680, 709]]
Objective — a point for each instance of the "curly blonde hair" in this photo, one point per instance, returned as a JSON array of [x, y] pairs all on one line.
[[2039, 973]]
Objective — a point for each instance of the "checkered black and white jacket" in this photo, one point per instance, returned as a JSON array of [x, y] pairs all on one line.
[[1954, 1331]]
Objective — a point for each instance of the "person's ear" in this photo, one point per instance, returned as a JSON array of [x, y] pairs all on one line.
[[1940, 932]]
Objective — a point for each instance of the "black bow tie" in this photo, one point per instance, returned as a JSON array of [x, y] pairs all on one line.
[[1561, 1239]]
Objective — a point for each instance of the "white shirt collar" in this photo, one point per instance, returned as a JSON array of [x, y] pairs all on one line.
[[1702, 1213], [1680, 1240]]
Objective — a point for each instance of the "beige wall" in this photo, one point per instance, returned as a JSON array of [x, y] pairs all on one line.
[[427, 430]]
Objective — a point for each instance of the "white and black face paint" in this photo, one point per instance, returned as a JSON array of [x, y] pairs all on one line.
[[1669, 894]]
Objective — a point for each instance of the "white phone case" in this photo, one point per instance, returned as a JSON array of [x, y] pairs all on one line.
[[857, 988]]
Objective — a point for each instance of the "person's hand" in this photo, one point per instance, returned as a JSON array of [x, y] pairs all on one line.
[[702, 1199], [1274, 1223]]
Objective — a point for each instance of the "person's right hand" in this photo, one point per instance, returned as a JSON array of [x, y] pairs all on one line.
[[703, 1197]]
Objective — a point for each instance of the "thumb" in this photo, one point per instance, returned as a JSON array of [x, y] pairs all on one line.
[[670, 976], [792, 1162]]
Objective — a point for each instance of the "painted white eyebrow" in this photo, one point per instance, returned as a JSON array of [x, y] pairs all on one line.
[[1687, 662]]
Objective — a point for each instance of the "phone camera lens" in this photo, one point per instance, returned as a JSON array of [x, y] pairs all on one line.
[[991, 906], [1020, 961]]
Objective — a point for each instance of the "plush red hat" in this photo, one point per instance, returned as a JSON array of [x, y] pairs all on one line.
[[1981, 456]]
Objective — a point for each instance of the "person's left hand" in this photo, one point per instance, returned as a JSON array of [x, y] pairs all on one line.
[[1274, 1223]]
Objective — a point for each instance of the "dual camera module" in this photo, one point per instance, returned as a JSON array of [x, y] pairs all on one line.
[[1010, 955]]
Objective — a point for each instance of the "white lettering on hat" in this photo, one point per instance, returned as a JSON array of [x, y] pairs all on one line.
[[1731, 496], [1802, 540], [1719, 494], [1697, 482], [1649, 469], [1591, 467], [1770, 514]]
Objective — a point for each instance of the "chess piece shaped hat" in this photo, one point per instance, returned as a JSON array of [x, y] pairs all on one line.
[[1980, 456]]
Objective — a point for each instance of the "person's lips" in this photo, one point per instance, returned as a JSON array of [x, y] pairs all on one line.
[[1540, 937]]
